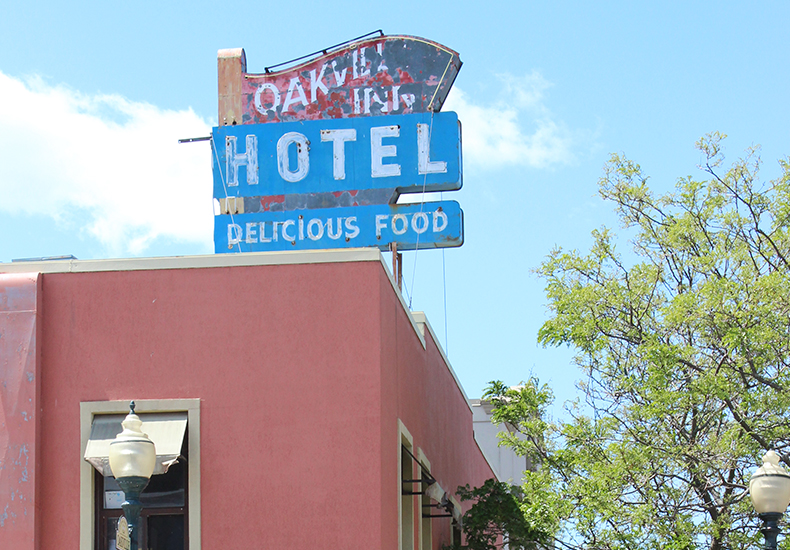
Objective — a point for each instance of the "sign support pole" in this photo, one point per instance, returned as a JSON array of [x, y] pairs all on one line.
[[397, 265]]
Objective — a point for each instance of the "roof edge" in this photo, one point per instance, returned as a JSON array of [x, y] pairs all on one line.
[[197, 262], [422, 323]]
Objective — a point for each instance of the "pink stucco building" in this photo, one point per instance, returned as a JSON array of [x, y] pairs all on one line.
[[297, 389]]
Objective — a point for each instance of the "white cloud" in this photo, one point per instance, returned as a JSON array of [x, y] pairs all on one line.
[[513, 129], [116, 162], [116, 166]]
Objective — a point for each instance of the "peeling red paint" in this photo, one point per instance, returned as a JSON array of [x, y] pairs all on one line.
[[405, 77], [266, 202], [369, 77]]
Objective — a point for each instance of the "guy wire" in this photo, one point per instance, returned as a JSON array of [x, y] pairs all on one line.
[[422, 205], [225, 187]]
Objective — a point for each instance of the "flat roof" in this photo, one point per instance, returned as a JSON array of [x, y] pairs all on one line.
[[73, 265]]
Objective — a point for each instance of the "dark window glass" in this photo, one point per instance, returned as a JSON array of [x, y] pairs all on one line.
[[165, 532], [164, 519], [163, 491]]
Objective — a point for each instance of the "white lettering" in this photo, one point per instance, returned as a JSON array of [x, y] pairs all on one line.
[[334, 235], [302, 159], [297, 227], [318, 233], [286, 236], [338, 137], [275, 98], [424, 164], [341, 78], [379, 151], [425, 223], [234, 234], [351, 228], [402, 218], [381, 223], [371, 95], [361, 69], [357, 102], [263, 237], [268, 98], [382, 67], [252, 237], [317, 83], [249, 159], [439, 221], [294, 87]]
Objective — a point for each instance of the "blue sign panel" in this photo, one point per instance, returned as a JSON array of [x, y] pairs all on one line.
[[411, 226], [402, 153]]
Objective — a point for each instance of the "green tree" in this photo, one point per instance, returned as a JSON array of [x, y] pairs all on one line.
[[685, 349], [501, 514]]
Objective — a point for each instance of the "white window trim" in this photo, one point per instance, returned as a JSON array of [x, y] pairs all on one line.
[[89, 409], [424, 530], [404, 440]]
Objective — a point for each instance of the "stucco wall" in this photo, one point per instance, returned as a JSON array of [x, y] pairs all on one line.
[[302, 371], [285, 369], [20, 384], [420, 389]]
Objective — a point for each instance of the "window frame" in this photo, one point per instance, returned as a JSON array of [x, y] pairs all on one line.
[[103, 514], [88, 512], [406, 523], [425, 528]]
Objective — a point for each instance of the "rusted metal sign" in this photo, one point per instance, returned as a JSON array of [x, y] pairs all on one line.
[[328, 163], [409, 226], [315, 156], [386, 75]]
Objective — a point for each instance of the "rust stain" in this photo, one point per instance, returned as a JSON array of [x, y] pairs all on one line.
[[312, 201], [377, 76]]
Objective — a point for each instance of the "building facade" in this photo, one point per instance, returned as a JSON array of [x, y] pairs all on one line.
[[295, 398]]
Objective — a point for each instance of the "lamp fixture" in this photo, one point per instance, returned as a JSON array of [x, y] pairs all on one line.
[[769, 489], [132, 460]]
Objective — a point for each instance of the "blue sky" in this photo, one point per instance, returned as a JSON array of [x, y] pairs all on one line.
[[94, 95]]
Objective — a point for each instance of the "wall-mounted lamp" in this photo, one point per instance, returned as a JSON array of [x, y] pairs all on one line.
[[132, 461], [770, 492]]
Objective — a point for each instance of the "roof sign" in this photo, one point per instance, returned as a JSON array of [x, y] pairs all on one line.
[[316, 156], [412, 226], [387, 75], [287, 165]]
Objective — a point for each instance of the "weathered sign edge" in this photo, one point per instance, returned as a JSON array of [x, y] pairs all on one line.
[[230, 108]]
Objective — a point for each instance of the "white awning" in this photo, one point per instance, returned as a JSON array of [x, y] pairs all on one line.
[[166, 430]]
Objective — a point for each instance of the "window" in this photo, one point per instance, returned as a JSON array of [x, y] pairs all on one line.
[[406, 471], [170, 518], [422, 501], [163, 521], [426, 533], [407, 500], [456, 536]]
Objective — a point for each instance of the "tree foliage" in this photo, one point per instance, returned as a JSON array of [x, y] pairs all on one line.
[[500, 514], [685, 349]]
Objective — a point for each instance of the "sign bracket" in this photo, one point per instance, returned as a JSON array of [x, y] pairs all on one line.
[[325, 51], [397, 265]]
